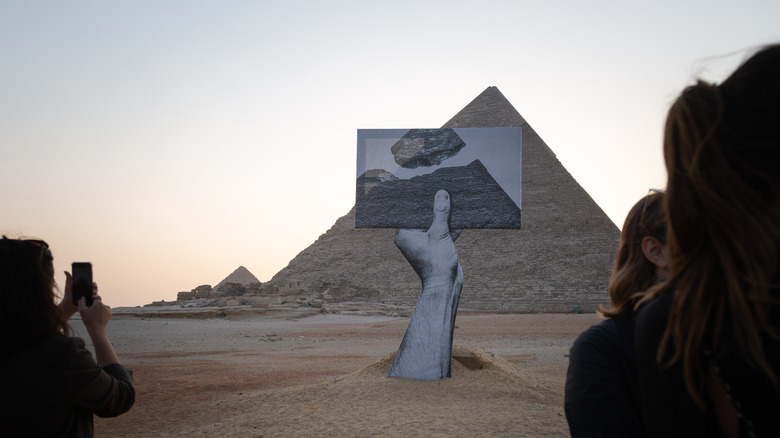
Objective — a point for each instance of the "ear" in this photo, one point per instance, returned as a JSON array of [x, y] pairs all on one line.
[[653, 250]]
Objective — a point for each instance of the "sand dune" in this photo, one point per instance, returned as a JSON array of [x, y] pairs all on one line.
[[326, 375]]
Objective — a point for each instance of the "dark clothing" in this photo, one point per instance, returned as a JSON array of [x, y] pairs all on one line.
[[666, 405], [668, 409], [52, 390], [602, 397]]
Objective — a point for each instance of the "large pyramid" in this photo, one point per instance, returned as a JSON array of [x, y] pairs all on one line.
[[560, 258]]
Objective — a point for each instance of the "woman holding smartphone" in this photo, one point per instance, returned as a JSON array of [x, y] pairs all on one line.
[[50, 384]]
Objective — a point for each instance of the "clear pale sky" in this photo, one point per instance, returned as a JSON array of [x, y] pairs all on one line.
[[170, 142]]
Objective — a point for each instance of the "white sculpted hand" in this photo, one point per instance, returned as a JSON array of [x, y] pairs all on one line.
[[432, 253], [426, 350]]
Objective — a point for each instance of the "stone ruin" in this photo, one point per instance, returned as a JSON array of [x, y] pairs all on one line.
[[291, 294], [231, 294], [235, 290]]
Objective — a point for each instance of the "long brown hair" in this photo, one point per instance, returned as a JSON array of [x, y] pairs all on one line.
[[633, 272], [722, 153], [28, 314]]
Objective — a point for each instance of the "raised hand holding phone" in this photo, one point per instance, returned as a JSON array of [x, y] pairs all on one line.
[[82, 282]]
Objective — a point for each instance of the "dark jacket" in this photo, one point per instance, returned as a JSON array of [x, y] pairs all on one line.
[[602, 395], [668, 408], [52, 390]]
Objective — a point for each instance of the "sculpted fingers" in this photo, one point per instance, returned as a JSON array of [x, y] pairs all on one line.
[[441, 206], [440, 228]]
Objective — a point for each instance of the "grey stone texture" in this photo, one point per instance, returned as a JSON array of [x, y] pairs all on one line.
[[560, 259], [478, 201], [426, 147]]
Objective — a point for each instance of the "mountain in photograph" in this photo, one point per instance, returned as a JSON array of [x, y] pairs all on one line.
[[477, 200]]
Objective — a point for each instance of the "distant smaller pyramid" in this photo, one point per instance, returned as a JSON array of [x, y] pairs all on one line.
[[241, 276]]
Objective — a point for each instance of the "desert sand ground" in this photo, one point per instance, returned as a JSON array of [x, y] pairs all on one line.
[[309, 373]]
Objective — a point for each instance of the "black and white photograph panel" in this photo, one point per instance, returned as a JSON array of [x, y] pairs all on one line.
[[399, 172]]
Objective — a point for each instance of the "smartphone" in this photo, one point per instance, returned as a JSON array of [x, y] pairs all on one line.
[[82, 282]]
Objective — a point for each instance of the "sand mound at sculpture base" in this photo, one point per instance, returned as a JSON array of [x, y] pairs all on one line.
[[486, 396], [464, 360]]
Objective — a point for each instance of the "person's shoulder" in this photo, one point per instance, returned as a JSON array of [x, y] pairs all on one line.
[[651, 323], [654, 312], [606, 327], [49, 356], [67, 344], [59, 344], [74, 353], [599, 335]]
